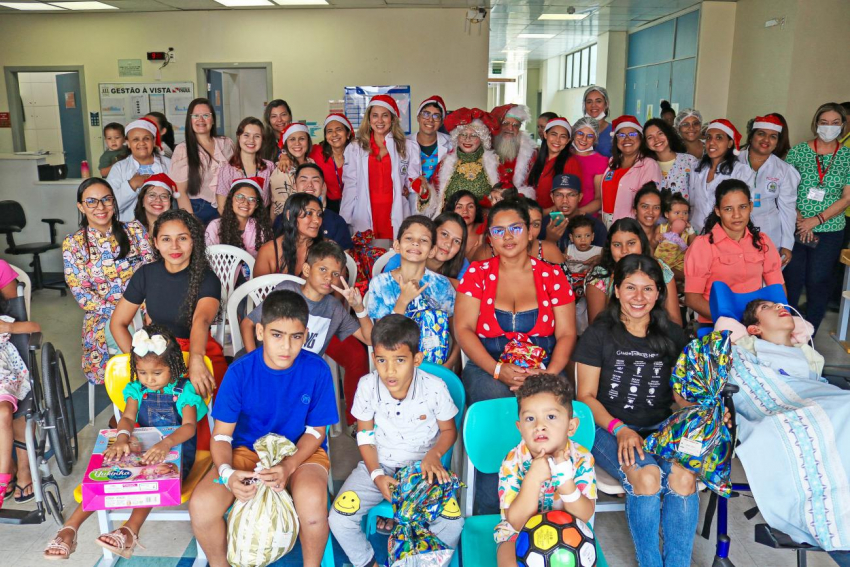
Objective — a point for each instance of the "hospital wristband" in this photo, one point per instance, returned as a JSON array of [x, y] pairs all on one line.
[[612, 424], [572, 497], [224, 473], [376, 473], [123, 432], [361, 314], [497, 370]]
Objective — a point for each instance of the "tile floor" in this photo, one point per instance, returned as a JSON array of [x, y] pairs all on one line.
[[167, 543]]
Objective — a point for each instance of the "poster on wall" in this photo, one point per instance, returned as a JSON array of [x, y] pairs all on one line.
[[357, 98], [125, 102]]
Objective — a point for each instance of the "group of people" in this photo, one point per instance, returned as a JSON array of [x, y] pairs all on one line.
[[556, 273]]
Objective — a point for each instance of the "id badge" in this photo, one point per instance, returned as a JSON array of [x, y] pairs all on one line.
[[817, 194]]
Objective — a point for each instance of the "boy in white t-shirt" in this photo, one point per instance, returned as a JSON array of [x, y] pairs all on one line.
[[403, 415]]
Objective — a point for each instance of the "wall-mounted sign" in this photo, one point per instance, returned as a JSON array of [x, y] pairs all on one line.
[[129, 67]]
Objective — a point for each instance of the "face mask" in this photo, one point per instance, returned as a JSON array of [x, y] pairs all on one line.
[[828, 133], [601, 116], [576, 148]]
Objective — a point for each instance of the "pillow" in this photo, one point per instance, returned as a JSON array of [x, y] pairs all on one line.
[[803, 330]]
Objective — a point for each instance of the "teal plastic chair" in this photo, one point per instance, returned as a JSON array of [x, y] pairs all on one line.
[[489, 434], [458, 394]]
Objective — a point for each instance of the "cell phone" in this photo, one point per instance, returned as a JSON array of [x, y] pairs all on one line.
[[557, 217]]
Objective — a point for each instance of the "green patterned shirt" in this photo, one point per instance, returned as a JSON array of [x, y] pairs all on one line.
[[802, 158]]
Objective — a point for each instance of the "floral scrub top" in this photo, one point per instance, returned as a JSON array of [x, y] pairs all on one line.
[[513, 470], [678, 176], [97, 278], [837, 176]]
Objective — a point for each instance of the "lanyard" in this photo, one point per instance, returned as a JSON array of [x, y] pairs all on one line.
[[336, 171], [824, 172], [756, 171]]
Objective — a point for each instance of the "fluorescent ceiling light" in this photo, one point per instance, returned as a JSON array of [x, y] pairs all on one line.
[[243, 3], [536, 36], [497, 61], [563, 16], [29, 6], [301, 2], [84, 5]]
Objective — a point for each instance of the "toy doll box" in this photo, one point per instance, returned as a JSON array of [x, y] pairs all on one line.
[[127, 482]]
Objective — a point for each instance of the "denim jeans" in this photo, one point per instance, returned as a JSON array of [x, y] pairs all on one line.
[[677, 515], [812, 269], [204, 210]]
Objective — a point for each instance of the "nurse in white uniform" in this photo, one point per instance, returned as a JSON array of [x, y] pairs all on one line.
[[773, 184]]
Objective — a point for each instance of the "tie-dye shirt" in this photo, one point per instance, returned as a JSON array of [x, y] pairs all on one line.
[[513, 470]]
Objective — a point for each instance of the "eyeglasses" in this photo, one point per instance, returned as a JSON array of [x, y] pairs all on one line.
[[467, 136], [435, 116], [206, 116], [690, 126], [510, 125], [581, 134], [499, 231], [623, 135], [158, 197], [107, 202], [240, 198]]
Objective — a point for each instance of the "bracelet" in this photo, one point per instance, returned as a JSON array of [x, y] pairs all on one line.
[[617, 429], [497, 370], [123, 432], [572, 497], [376, 473], [362, 315], [821, 218], [612, 424]]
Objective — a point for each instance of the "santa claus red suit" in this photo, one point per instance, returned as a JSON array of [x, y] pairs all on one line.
[[515, 148]]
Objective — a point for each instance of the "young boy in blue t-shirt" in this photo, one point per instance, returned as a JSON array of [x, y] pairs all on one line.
[[278, 388]]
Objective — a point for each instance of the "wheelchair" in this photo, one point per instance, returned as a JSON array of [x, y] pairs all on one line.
[[51, 430]]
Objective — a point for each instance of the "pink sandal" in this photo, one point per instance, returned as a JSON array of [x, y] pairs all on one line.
[[56, 544], [5, 482], [120, 547]]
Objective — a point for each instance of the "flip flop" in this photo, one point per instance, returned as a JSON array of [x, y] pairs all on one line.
[[24, 498], [6, 483]]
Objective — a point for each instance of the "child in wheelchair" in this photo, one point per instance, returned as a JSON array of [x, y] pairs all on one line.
[[14, 386], [158, 395]]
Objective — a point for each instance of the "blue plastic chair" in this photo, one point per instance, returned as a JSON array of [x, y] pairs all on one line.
[[724, 302], [489, 434], [458, 394]]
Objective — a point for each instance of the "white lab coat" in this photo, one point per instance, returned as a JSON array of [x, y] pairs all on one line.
[[356, 207], [701, 193], [119, 178], [774, 193], [444, 144]]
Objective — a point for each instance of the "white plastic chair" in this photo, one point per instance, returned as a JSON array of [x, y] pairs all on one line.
[[351, 266], [226, 261], [378, 268], [255, 291]]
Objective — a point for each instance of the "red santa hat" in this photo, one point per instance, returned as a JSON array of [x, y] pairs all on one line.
[[256, 182], [148, 124], [466, 116], [290, 130], [385, 101], [342, 119], [162, 180], [516, 111], [769, 122], [727, 128], [625, 121], [435, 100], [562, 122]]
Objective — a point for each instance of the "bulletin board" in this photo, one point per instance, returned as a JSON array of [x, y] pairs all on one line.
[[125, 102], [357, 99]]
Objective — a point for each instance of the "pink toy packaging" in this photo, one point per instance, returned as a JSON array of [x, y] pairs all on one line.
[[127, 482]]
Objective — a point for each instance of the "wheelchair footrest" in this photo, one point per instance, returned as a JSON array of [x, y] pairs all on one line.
[[20, 517], [770, 537]]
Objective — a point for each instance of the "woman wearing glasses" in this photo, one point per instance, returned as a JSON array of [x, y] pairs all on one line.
[[433, 144], [629, 169], [510, 296], [244, 222], [129, 175], [99, 260], [688, 123], [195, 163], [593, 164], [155, 197]]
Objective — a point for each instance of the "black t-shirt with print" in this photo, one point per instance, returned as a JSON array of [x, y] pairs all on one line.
[[634, 383]]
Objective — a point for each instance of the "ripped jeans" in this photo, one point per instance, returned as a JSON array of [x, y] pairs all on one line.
[[677, 515]]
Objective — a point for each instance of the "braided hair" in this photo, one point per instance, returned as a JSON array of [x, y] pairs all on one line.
[[724, 188], [117, 227], [172, 357], [199, 264], [228, 228]]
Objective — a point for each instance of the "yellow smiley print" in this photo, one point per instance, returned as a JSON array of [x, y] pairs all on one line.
[[451, 511], [348, 503]]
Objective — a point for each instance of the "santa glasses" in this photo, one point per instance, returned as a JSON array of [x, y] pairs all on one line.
[[467, 136], [499, 231]]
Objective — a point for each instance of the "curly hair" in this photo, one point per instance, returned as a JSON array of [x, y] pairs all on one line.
[[199, 264], [228, 228], [294, 208], [479, 128], [172, 357], [555, 384]]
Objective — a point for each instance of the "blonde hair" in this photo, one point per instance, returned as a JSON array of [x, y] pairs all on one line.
[[364, 133]]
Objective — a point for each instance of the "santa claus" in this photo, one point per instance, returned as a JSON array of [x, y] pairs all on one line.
[[515, 148]]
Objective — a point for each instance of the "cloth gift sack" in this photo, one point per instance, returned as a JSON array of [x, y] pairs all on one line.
[[365, 255], [434, 336], [263, 529], [695, 437], [417, 503]]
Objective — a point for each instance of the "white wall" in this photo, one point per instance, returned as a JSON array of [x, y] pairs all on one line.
[[41, 114], [714, 57]]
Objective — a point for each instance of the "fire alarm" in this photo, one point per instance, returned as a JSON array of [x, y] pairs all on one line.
[[157, 56]]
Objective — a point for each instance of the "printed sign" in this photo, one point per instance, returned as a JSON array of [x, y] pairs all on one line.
[[125, 102], [129, 67]]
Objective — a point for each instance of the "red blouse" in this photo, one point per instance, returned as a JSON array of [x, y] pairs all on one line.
[[332, 173], [381, 192], [547, 176], [482, 278]]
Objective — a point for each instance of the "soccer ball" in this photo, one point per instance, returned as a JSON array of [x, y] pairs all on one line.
[[555, 539]]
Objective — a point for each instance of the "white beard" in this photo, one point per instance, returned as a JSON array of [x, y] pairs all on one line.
[[507, 148]]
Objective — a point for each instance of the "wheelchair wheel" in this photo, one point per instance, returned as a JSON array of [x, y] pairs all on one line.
[[69, 408], [51, 500], [56, 401]]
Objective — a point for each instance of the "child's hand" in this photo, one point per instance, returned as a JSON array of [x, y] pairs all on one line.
[[410, 290], [433, 468], [386, 485], [157, 453], [539, 471], [236, 483], [351, 295], [116, 451], [277, 476]]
